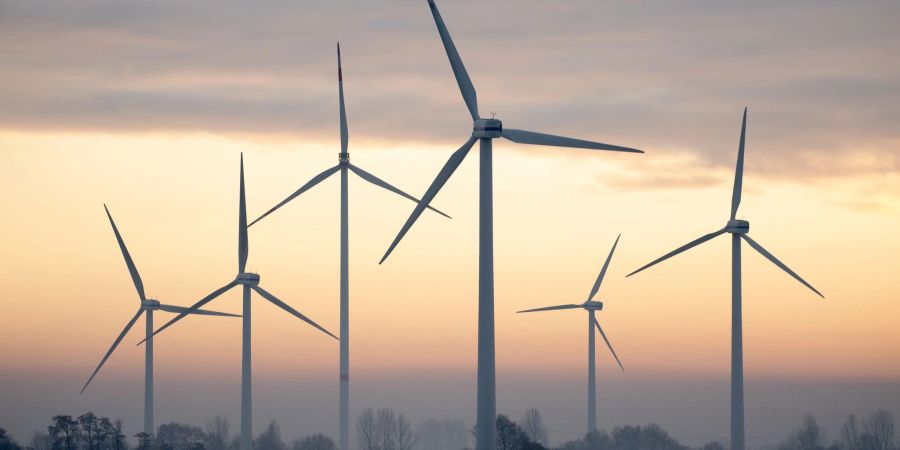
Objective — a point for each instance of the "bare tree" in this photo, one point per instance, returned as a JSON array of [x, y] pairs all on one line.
[[509, 435], [64, 432], [404, 438], [880, 425], [106, 432], [177, 436], [533, 425], [393, 431], [89, 428], [118, 436], [217, 434], [383, 430], [809, 436], [366, 430], [850, 433]]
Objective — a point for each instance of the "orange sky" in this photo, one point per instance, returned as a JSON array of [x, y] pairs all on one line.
[[174, 198]]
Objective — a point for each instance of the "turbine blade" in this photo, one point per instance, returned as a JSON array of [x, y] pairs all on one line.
[[531, 137], [603, 270], [341, 97], [383, 184], [739, 170], [113, 347], [551, 308], [135, 276], [778, 263], [459, 70], [194, 307], [596, 322], [287, 308], [199, 312], [309, 184], [243, 243], [449, 167], [678, 250]]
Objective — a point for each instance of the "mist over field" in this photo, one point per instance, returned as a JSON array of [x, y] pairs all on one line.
[[694, 409]]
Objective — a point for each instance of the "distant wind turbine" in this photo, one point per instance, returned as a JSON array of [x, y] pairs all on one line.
[[484, 130], [343, 165], [249, 281], [148, 305], [738, 229], [591, 306]]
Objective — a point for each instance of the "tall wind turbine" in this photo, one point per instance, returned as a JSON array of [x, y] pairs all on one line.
[[250, 282], [738, 229], [484, 130], [343, 166], [148, 305], [591, 306]]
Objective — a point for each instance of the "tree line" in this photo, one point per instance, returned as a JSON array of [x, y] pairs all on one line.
[[875, 432], [385, 429]]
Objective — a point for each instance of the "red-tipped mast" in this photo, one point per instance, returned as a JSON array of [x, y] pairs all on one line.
[[340, 76]]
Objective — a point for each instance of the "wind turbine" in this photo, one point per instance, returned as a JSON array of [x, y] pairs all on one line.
[[343, 166], [148, 305], [484, 130], [738, 229], [250, 282], [591, 306]]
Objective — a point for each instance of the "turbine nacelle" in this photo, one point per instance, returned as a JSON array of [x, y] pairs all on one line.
[[487, 128], [592, 305], [736, 226], [150, 304], [344, 159], [247, 279]]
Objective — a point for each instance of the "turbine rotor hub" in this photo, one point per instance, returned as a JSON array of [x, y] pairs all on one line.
[[150, 303], [487, 128], [593, 305], [738, 226], [248, 279]]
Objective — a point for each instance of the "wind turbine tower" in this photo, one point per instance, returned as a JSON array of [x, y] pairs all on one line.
[[249, 283], [343, 167], [147, 307], [738, 229], [485, 131], [592, 307]]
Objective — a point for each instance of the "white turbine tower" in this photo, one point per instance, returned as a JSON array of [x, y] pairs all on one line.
[[343, 166], [591, 306], [250, 282], [738, 229], [484, 130], [148, 305]]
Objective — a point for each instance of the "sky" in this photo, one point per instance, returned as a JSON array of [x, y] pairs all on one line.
[[146, 107]]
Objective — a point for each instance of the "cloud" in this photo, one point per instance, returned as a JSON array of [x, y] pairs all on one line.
[[820, 77]]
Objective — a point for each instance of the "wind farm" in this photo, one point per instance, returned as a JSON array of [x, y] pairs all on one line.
[[249, 283], [343, 167], [467, 331], [484, 131], [147, 307]]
